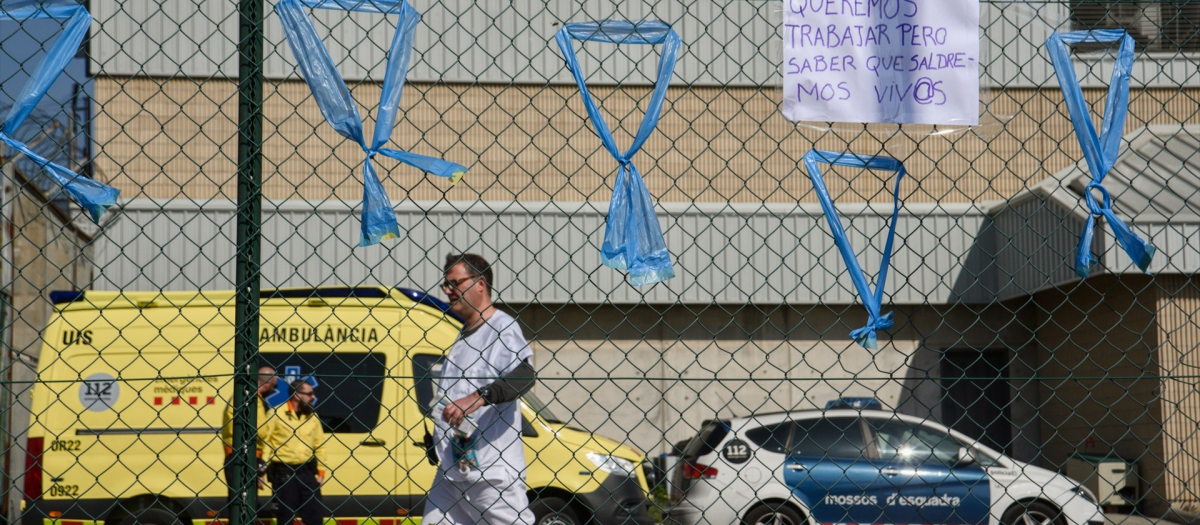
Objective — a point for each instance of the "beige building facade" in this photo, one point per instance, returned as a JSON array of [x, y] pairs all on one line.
[[173, 138], [759, 315]]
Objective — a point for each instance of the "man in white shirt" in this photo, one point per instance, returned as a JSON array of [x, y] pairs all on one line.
[[481, 472]]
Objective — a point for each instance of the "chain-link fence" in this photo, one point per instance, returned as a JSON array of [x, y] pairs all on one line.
[[239, 337]]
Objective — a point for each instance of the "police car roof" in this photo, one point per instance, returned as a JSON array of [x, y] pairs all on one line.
[[812, 413], [739, 423]]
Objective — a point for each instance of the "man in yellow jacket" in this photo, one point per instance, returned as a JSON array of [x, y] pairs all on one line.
[[297, 467], [266, 385]]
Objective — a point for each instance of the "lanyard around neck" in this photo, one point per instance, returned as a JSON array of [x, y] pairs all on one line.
[[873, 301], [633, 240], [93, 196], [1100, 150], [338, 107]]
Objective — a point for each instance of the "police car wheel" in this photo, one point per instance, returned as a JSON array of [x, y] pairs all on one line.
[[552, 511], [1032, 513], [151, 517], [773, 514]]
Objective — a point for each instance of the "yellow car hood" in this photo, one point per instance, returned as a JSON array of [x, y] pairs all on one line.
[[579, 440]]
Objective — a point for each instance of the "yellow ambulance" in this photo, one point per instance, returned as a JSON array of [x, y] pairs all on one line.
[[132, 388]]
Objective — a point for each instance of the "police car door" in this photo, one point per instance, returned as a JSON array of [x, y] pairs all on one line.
[[827, 469], [929, 482]]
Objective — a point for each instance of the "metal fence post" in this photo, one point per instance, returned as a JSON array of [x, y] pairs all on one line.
[[249, 217]]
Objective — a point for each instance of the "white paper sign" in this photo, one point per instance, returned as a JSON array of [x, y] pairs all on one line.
[[896, 61]]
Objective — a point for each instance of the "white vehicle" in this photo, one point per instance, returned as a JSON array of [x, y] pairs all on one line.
[[848, 466]]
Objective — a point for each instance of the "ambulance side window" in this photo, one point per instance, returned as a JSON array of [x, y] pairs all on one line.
[[348, 385], [427, 369]]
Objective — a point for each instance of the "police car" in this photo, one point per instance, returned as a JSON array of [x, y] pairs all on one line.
[[863, 466]]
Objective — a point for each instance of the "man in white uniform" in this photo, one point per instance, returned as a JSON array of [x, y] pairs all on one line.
[[481, 467]]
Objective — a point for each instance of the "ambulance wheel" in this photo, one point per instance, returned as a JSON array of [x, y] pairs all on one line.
[[151, 517], [1032, 513], [552, 511], [773, 514]]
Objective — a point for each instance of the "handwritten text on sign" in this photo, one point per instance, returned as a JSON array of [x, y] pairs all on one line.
[[898, 61]]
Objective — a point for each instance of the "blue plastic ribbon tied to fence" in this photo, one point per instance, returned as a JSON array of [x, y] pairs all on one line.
[[95, 197], [633, 240], [864, 336], [1100, 150], [333, 97]]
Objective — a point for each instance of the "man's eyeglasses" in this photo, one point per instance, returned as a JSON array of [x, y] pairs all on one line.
[[457, 283], [309, 393]]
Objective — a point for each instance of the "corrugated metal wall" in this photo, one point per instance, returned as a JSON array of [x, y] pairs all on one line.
[[726, 42], [1035, 242], [1036, 239], [724, 253], [457, 41]]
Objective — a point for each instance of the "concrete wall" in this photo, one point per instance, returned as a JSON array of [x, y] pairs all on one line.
[[651, 375], [1098, 374], [43, 251]]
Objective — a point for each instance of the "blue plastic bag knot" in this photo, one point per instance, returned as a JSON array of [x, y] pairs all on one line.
[[1090, 198], [872, 300], [1101, 149], [340, 110], [94, 197], [865, 336], [633, 240]]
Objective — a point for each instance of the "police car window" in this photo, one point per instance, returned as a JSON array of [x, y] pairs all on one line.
[[835, 437], [772, 438], [706, 441], [348, 385], [900, 440]]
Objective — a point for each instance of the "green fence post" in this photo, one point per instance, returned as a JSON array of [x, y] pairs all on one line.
[[249, 222]]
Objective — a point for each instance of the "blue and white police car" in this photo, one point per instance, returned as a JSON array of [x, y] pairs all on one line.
[[852, 466]]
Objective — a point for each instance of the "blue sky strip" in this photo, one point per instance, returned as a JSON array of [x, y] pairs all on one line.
[[333, 97], [93, 196], [864, 336], [1099, 150], [633, 240]]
